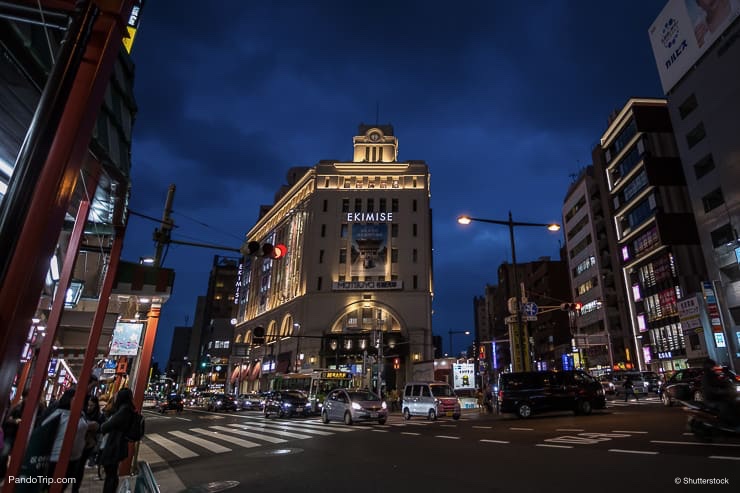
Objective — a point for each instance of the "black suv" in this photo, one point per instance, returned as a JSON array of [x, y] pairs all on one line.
[[527, 393], [174, 402], [685, 385]]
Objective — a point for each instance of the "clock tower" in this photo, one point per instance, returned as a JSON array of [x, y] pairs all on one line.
[[375, 144]]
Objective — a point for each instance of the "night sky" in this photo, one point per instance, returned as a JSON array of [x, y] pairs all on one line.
[[503, 100]]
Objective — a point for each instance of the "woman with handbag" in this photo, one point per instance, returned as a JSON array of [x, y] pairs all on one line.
[[116, 445]]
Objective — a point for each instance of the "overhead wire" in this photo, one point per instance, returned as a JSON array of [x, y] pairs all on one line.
[[46, 32]]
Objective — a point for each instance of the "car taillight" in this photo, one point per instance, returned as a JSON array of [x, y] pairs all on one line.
[[500, 394]]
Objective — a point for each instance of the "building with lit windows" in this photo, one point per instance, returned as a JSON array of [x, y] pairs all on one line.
[[355, 287], [658, 252]]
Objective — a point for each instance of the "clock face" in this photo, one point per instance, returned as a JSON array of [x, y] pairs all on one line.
[[374, 137]]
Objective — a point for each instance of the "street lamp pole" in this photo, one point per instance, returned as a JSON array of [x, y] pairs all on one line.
[[520, 333], [450, 332]]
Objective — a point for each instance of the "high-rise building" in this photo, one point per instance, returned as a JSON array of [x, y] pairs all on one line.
[[356, 283], [599, 325], [657, 247], [700, 83]]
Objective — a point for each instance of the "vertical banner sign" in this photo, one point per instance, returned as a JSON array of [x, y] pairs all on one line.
[[133, 25], [713, 312]]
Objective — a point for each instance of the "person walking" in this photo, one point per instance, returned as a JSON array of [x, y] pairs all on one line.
[[629, 388], [63, 411], [116, 446]]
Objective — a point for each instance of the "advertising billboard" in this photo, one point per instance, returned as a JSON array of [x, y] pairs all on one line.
[[463, 376], [126, 337], [684, 30], [369, 254]]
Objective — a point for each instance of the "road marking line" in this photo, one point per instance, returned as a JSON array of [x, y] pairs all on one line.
[[268, 426], [697, 443], [522, 429], [410, 433], [492, 441], [725, 457], [447, 436], [226, 438], [146, 453], [206, 444], [643, 452], [184, 419], [448, 426], [569, 429], [483, 427], [688, 434], [177, 449], [334, 427], [379, 431], [249, 434], [629, 431], [552, 446], [274, 432]]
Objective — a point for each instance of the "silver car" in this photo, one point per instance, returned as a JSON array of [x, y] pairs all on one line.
[[354, 405]]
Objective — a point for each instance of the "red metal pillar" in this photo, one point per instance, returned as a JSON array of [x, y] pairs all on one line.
[[142, 372], [90, 353]]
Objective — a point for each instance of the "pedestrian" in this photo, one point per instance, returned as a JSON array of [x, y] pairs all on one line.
[[629, 388], [479, 398], [92, 437], [63, 411], [116, 446]]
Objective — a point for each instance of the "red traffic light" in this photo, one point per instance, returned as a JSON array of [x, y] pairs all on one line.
[[578, 306], [279, 251]]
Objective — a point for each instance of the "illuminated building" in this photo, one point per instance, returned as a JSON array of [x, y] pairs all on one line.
[[358, 265]]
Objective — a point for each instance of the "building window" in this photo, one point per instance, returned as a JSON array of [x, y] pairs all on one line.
[[345, 205], [370, 205], [319, 282], [343, 231], [416, 282], [323, 230], [696, 135], [687, 106], [394, 230], [704, 166], [414, 229], [713, 199], [321, 256], [358, 205], [382, 205], [413, 204], [326, 205], [342, 255], [341, 278], [395, 183], [414, 255], [346, 182], [326, 183], [722, 236], [394, 255], [394, 205]]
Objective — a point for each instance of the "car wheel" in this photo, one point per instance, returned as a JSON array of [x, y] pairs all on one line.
[[267, 413], [347, 418], [698, 396], [455, 417], [432, 416], [583, 407], [406, 414], [524, 410], [324, 417], [667, 402], [281, 413], [381, 421]]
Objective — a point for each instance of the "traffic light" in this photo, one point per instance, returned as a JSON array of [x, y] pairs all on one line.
[[571, 307], [258, 335], [267, 250], [396, 363], [482, 351]]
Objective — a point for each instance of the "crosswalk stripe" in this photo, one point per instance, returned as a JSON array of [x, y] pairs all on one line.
[[225, 438], [146, 453], [206, 444], [302, 430], [177, 449], [249, 434], [274, 432], [314, 424]]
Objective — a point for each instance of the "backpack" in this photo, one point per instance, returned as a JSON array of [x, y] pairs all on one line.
[[135, 430]]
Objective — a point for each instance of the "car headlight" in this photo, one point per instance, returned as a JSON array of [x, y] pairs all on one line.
[[287, 404], [383, 405], [356, 406], [218, 402]]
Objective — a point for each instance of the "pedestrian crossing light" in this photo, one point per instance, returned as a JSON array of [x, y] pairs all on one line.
[[396, 364]]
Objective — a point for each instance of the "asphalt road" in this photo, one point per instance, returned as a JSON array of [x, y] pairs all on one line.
[[638, 446]]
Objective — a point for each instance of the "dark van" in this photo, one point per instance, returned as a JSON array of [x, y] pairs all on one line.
[[527, 393]]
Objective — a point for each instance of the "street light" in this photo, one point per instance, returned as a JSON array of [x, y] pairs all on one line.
[[450, 332], [520, 329]]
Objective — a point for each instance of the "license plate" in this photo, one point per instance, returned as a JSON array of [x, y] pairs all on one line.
[[373, 415], [448, 413], [299, 409]]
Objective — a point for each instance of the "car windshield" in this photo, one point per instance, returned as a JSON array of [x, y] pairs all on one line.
[[442, 391], [293, 395], [363, 396]]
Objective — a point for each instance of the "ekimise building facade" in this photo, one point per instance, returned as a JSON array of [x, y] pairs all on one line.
[[357, 274]]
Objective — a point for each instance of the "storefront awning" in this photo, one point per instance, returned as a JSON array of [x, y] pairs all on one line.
[[255, 373]]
